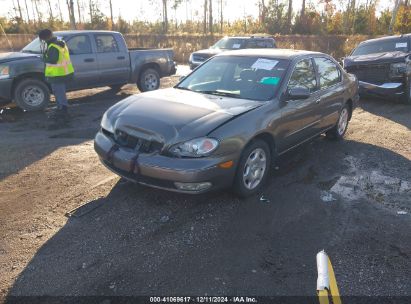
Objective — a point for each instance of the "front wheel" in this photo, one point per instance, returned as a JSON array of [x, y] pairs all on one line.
[[340, 128], [31, 94], [406, 98], [149, 80], [253, 169]]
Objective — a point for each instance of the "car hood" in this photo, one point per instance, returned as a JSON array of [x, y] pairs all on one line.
[[207, 53], [172, 115], [378, 58], [13, 56]]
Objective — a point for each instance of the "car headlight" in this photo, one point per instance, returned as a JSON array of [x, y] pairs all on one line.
[[195, 148], [398, 68], [106, 124], [4, 72]]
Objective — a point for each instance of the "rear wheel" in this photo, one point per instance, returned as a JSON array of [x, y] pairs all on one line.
[[149, 80], [31, 94], [253, 169], [116, 87], [340, 128]]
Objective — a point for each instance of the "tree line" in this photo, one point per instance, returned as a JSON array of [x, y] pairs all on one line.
[[334, 17]]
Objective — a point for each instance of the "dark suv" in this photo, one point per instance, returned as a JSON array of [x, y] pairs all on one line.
[[383, 67], [231, 43]]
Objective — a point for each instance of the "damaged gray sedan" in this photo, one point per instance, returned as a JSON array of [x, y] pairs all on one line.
[[225, 123]]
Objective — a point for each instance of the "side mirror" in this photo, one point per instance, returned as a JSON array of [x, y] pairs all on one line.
[[298, 93]]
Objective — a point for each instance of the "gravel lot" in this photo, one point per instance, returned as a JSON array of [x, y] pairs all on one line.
[[346, 197]]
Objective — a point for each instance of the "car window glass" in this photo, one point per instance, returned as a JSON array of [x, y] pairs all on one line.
[[303, 76], [328, 72], [106, 43], [245, 77], [79, 45]]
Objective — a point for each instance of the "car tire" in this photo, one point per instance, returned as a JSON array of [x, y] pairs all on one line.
[[338, 132], [253, 169], [149, 80], [406, 99], [116, 87], [31, 94]]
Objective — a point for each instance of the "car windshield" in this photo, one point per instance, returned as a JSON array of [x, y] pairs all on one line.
[[383, 46], [245, 77], [229, 44], [34, 47]]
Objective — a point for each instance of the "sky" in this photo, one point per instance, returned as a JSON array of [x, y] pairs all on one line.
[[149, 10]]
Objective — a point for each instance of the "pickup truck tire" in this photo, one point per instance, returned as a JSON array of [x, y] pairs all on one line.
[[338, 132], [31, 94], [116, 87], [253, 168], [149, 80], [407, 94]]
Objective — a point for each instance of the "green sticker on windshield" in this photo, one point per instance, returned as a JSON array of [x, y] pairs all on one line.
[[270, 80]]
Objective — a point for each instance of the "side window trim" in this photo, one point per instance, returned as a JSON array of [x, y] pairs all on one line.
[[293, 69]]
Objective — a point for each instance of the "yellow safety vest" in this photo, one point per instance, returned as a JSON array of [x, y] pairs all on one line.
[[63, 66]]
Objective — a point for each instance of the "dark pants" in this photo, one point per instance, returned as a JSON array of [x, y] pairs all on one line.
[[59, 91]]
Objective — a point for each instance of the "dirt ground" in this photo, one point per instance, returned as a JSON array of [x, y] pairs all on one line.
[[351, 198]]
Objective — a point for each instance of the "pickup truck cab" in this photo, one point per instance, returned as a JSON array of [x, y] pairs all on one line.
[[100, 58], [383, 67]]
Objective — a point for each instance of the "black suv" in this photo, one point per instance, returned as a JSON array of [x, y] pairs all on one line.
[[231, 43], [383, 67]]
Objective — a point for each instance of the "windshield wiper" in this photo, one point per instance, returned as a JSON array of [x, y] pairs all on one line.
[[29, 51], [184, 88], [220, 93]]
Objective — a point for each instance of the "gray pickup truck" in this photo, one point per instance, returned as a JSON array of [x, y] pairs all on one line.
[[100, 58]]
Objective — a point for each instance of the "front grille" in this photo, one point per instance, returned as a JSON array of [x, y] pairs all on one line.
[[376, 74], [138, 144]]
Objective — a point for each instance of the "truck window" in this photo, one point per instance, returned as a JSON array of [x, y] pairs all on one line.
[[328, 72], [259, 44], [106, 43], [79, 45], [303, 76], [383, 46]]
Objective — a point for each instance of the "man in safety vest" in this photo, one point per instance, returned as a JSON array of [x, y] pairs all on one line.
[[59, 69]]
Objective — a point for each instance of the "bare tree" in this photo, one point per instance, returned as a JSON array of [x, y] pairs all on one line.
[[303, 9], [39, 16], [289, 15], [50, 10], [70, 6], [19, 9], [27, 11], [79, 11], [111, 14], [210, 17], [165, 16], [205, 16], [221, 17], [60, 12], [394, 16]]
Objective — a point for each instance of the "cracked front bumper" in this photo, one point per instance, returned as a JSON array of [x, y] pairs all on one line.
[[385, 89], [163, 172]]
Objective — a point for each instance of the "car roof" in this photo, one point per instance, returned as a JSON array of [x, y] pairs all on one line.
[[386, 38], [274, 53], [73, 32], [249, 37]]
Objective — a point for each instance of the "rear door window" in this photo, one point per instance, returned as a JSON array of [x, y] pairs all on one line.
[[328, 72], [106, 43]]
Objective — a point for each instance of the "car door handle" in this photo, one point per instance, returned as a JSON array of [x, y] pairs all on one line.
[[89, 60], [121, 57], [318, 101]]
